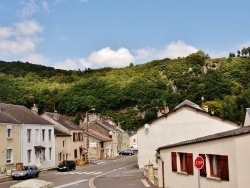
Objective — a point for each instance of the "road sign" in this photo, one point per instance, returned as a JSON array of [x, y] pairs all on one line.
[[199, 162]]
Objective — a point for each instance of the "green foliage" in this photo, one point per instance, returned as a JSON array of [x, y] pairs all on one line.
[[132, 93]]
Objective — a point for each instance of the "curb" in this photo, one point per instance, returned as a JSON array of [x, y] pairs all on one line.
[[5, 178]]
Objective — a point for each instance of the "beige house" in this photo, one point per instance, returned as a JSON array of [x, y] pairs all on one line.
[[225, 155], [186, 121], [107, 129], [74, 149], [62, 149], [97, 144], [10, 142]]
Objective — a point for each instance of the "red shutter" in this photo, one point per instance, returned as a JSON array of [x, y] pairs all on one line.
[[189, 163], [203, 171], [174, 164], [223, 167]]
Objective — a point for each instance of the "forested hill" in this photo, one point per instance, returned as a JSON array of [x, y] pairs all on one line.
[[132, 94]]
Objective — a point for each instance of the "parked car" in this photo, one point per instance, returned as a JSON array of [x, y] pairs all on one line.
[[26, 172], [126, 152], [66, 165]]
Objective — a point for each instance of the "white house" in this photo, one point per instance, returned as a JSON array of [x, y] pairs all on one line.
[[226, 161], [37, 142], [186, 121]]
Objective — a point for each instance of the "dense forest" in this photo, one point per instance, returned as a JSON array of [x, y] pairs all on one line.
[[132, 94]]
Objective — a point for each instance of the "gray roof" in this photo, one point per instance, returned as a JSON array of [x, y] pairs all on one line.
[[58, 132], [226, 134], [98, 136], [62, 120], [10, 113]]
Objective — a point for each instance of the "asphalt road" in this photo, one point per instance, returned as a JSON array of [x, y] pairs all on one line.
[[119, 172]]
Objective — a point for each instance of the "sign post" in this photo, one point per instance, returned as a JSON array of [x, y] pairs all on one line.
[[199, 163]]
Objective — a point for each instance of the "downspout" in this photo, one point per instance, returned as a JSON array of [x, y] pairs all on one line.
[[162, 167]]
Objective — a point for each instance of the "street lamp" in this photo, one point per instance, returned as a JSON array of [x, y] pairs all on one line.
[[87, 130]]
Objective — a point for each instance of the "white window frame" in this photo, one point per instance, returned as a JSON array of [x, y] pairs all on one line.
[[9, 131], [9, 156], [28, 135], [50, 134], [43, 135], [29, 155], [37, 135]]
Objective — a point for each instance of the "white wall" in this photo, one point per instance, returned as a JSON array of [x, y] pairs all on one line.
[[47, 163], [184, 124], [237, 150]]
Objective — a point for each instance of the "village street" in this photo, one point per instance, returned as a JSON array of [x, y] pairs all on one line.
[[118, 172]]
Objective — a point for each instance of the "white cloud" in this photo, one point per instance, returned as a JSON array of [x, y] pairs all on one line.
[[45, 5], [28, 9], [20, 38], [175, 50], [5, 32], [105, 57], [35, 58], [28, 27]]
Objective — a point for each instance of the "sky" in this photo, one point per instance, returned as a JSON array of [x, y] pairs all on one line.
[[82, 34]]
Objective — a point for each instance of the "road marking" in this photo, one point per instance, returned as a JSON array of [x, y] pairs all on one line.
[[86, 172], [145, 183], [91, 181], [100, 163], [73, 183]]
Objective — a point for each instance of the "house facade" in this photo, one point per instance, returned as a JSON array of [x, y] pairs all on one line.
[[75, 147], [62, 149], [225, 155], [184, 122], [36, 137], [10, 142]]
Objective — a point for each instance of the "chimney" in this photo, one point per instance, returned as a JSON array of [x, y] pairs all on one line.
[[56, 115], [34, 109]]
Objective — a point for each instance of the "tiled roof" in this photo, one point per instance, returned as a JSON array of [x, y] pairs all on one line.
[[58, 132], [97, 135], [226, 134], [62, 120], [189, 105], [105, 125], [20, 114]]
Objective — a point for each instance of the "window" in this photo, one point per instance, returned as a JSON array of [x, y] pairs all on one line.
[[59, 156], [219, 166], [28, 156], [183, 164], [42, 155], [186, 163], [28, 135], [37, 135], [43, 134], [50, 153], [75, 153], [9, 155], [134, 140], [49, 134], [9, 131], [63, 143]]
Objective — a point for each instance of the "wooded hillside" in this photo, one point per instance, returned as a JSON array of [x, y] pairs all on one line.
[[131, 94]]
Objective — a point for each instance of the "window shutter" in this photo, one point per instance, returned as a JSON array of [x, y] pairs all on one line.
[[203, 171], [189, 163], [223, 167], [174, 164]]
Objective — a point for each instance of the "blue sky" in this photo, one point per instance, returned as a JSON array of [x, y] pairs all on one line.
[[79, 34]]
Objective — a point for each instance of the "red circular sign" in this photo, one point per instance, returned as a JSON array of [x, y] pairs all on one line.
[[199, 162]]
